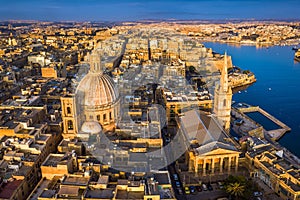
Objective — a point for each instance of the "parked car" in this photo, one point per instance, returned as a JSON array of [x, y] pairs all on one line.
[[204, 187], [177, 184], [257, 194], [198, 188], [192, 189], [220, 184], [187, 190], [209, 187], [175, 176], [179, 190]]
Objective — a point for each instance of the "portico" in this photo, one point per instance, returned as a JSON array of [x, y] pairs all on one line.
[[211, 150], [225, 161]]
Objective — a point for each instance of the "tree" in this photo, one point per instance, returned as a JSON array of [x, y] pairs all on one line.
[[235, 189], [192, 69]]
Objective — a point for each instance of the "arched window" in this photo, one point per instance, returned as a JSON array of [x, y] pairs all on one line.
[[110, 116], [224, 102], [68, 110], [70, 125], [104, 117], [98, 117]]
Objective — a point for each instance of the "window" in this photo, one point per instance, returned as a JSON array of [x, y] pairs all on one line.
[[98, 117], [104, 117], [68, 110], [91, 117], [70, 125], [118, 159], [224, 102], [110, 116]]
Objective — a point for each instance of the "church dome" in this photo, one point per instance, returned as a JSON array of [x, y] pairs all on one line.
[[97, 90], [91, 127], [97, 98]]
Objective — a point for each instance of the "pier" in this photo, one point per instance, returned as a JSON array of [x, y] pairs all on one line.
[[275, 134]]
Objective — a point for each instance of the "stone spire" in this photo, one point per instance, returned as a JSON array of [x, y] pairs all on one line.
[[95, 62], [224, 75], [223, 98]]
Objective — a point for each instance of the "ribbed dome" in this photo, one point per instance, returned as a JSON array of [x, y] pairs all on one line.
[[97, 89], [91, 127]]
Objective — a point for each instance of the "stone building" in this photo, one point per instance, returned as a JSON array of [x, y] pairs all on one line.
[[273, 168], [223, 97], [210, 150], [96, 102]]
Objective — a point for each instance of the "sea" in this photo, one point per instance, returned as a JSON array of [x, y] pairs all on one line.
[[277, 89]]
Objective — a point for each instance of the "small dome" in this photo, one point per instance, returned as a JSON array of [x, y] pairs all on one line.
[[91, 127], [97, 89]]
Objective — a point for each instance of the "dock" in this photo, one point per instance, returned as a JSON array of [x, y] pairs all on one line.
[[275, 134]]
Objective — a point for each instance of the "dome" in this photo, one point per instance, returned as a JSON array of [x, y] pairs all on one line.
[[91, 127], [97, 90]]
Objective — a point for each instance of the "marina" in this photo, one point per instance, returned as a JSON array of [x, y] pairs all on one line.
[[275, 134], [277, 87]]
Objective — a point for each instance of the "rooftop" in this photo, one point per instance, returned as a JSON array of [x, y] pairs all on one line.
[[204, 130], [162, 178], [99, 193], [54, 159], [124, 194], [9, 188], [78, 181]]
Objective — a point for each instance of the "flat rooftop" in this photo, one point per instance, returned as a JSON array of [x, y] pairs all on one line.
[[73, 180], [99, 194], [54, 159], [9, 188], [162, 178], [123, 194]]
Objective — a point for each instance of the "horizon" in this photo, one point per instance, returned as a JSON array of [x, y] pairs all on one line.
[[196, 21], [134, 10]]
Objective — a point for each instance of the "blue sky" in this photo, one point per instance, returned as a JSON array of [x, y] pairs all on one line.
[[113, 10]]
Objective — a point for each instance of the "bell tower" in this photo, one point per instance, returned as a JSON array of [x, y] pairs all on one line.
[[223, 97], [95, 63], [69, 117]]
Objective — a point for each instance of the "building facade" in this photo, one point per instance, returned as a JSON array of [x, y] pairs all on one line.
[[210, 150], [96, 100]]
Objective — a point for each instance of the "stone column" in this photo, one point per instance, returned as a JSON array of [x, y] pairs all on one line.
[[229, 163], [221, 165], [196, 165], [190, 164], [236, 163], [212, 165], [204, 167]]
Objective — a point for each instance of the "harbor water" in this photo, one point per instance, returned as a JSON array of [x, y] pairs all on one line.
[[277, 89]]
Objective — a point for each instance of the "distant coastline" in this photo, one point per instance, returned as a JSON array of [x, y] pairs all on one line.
[[185, 21]]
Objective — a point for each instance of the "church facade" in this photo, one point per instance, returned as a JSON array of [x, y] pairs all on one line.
[[96, 102]]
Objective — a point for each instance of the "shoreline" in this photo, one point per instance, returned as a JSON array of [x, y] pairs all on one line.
[[258, 45]]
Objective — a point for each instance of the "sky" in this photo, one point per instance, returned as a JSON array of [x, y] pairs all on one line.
[[128, 10]]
